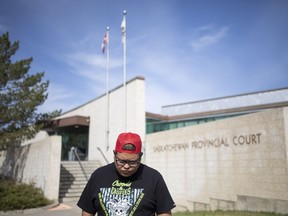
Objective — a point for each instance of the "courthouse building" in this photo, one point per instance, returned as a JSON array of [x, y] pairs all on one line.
[[87, 127], [226, 153]]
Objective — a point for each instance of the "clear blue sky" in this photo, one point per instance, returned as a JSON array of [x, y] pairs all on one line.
[[187, 50]]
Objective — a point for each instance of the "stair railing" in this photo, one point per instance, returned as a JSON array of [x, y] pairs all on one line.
[[103, 155], [74, 150]]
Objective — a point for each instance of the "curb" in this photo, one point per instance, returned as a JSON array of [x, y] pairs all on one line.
[[29, 211]]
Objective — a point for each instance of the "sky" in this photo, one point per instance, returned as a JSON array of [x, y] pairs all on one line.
[[187, 50]]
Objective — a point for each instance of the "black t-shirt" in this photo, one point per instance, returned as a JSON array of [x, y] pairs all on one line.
[[108, 193]]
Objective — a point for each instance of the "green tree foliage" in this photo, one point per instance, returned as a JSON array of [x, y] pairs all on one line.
[[20, 95]]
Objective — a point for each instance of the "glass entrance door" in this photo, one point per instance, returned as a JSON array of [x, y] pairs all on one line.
[[74, 137]]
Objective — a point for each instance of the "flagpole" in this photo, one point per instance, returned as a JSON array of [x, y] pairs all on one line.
[[123, 27], [107, 86]]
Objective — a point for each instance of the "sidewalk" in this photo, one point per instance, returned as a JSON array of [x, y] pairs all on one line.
[[63, 209]]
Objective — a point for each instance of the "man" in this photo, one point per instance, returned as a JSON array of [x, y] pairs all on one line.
[[126, 187]]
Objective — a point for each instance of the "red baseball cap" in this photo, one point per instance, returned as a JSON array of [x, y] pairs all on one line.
[[131, 138]]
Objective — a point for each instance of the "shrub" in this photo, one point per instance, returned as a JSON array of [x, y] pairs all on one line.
[[16, 196]]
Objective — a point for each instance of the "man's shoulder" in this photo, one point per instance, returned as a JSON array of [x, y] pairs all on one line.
[[150, 170], [104, 169]]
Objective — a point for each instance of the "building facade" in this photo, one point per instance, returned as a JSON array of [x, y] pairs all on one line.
[[198, 112], [237, 163], [93, 127]]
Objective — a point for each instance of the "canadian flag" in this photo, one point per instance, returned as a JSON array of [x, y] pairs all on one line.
[[104, 43]]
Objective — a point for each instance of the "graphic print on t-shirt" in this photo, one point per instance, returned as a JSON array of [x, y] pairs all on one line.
[[120, 199]]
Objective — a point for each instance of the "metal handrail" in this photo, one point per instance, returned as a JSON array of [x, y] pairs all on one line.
[[103, 155], [73, 149]]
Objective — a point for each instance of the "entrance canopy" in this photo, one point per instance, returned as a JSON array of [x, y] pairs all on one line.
[[68, 121]]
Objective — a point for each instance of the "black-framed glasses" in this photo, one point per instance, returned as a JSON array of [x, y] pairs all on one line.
[[131, 163]]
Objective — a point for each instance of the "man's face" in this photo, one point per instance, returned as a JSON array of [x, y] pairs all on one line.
[[127, 164]]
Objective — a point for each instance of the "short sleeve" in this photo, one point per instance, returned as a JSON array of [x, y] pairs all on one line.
[[164, 201], [86, 201]]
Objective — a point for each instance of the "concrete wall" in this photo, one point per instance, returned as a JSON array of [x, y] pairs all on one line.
[[238, 163], [96, 110], [35, 162]]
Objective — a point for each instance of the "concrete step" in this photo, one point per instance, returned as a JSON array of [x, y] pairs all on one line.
[[70, 164], [68, 199], [75, 183], [75, 169], [70, 189], [74, 178], [78, 173], [65, 193], [71, 194]]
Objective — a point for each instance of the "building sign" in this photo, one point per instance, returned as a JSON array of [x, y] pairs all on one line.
[[217, 142]]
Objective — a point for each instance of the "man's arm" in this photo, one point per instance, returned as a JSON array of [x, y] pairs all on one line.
[[84, 213], [165, 214]]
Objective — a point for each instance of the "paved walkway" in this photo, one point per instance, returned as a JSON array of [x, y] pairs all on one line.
[[63, 209]]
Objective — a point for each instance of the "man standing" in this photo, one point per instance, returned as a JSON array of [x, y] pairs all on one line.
[[126, 187]]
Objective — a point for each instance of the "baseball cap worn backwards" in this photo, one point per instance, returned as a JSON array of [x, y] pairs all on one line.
[[131, 138]]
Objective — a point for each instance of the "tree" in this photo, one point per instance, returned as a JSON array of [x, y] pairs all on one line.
[[20, 95]]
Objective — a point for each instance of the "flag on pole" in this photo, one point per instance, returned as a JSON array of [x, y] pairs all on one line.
[[104, 43], [123, 28]]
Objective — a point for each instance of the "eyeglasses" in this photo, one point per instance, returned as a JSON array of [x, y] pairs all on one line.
[[131, 163]]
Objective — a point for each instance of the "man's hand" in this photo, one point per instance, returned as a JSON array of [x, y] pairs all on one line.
[[84, 213], [165, 214]]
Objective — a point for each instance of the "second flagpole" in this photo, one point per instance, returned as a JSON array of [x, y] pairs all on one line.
[[107, 86]]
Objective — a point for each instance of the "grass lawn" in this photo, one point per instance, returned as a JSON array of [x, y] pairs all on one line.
[[225, 213]]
